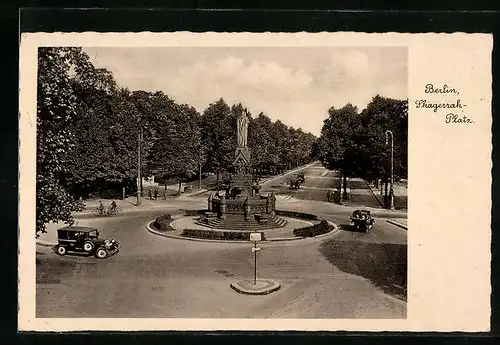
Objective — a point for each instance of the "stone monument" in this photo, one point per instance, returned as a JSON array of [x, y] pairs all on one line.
[[243, 208]]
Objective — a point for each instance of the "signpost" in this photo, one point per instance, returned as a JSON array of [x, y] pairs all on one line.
[[255, 237]]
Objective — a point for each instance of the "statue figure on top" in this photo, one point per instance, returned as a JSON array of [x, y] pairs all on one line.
[[242, 131]]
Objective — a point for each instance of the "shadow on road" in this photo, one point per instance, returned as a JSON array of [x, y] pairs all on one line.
[[384, 264], [347, 227]]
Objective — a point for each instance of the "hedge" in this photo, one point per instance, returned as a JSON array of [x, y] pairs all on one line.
[[315, 230], [220, 235], [163, 222], [295, 214]]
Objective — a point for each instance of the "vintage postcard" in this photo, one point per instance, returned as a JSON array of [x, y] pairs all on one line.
[[245, 181]]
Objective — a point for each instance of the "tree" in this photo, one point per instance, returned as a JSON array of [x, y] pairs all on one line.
[[176, 151], [380, 115], [340, 141], [218, 135], [57, 106], [261, 144], [355, 143]]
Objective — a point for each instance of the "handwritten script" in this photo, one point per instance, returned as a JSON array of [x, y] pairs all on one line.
[[444, 98]]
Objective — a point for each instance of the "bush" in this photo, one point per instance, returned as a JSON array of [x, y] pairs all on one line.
[[300, 215], [315, 230], [220, 235], [163, 222]]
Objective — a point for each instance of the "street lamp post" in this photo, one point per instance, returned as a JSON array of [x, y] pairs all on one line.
[[391, 192], [139, 140], [199, 180]]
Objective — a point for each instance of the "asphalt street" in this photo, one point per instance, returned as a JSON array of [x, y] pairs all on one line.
[[343, 275]]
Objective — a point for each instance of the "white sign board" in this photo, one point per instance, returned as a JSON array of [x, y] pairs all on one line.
[[255, 236]]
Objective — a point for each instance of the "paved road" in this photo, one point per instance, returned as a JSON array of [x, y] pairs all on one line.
[[154, 276], [318, 181], [344, 275]]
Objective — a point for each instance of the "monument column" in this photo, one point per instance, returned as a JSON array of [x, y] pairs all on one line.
[[242, 178]]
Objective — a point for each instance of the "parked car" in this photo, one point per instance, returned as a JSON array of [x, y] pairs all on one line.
[[362, 220], [85, 240]]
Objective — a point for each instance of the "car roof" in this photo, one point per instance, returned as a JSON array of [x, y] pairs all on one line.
[[75, 228]]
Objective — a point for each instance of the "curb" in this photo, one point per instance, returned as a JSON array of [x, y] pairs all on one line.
[[275, 286], [278, 239], [45, 243], [376, 197], [397, 224]]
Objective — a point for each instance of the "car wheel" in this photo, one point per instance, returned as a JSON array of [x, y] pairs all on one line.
[[88, 246], [101, 253], [61, 250]]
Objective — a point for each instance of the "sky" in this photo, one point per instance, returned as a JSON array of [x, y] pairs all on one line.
[[296, 85]]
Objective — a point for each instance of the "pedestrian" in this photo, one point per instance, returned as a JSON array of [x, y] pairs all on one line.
[[150, 195], [156, 193]]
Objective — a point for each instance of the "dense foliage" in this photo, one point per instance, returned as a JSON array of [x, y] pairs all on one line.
[[355, 143], [162, 223], [219, 235]]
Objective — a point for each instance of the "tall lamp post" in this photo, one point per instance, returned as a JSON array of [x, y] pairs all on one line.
[[391, 192], [139, 142]]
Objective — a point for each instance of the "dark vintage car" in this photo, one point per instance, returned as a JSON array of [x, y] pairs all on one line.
[[85, 240], [301, 177], [295, 184], [362, 220]]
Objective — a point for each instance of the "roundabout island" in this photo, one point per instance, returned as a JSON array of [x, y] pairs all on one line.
[[187, 226]]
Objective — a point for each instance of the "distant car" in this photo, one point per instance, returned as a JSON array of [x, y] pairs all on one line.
[[295, 184], [362, 220], [301, 177], [85, 240]]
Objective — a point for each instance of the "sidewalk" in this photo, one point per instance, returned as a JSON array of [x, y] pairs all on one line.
[[130, 203], [49, 239], [402, 223], [290, 203], [400, 194]]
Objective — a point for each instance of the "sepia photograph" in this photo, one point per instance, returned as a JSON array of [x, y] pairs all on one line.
[[214, 182], [255, 182]]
